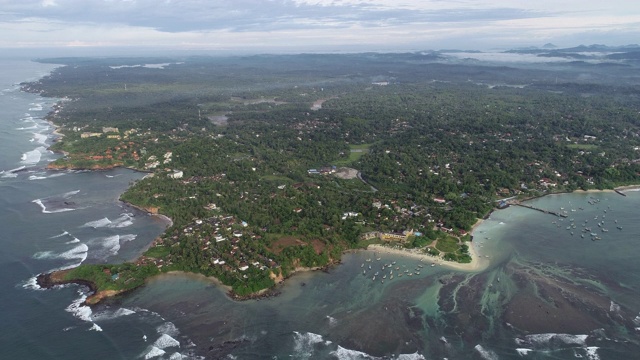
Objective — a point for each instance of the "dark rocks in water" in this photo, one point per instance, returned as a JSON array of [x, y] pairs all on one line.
[[442, 281]]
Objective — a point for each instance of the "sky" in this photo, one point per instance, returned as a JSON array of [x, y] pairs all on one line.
[[316, 25]]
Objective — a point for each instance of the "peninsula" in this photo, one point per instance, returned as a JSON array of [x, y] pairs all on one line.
[[271, 164]]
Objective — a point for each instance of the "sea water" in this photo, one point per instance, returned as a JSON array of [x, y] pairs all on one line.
[[59, 219], [553, 290]]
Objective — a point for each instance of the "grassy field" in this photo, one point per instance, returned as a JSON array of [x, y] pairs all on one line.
[[583, 146], [356, 152]]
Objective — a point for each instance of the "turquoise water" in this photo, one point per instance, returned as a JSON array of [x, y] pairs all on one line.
[[548, 294]]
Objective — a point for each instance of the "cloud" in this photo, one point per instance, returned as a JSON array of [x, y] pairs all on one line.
[[423, 24], [247, 15]]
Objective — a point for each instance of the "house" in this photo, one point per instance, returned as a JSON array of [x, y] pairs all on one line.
[[86, 135], [176, 174], [110, 130], [439, 200]]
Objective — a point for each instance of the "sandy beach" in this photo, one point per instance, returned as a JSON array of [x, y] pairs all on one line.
[[477, 263]]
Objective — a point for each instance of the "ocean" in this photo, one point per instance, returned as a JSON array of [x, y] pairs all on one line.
[[556, 288]]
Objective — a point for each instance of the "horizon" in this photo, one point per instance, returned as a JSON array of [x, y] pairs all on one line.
[[300, 26]]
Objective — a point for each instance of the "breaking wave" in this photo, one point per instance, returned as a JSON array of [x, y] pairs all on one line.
[[166, 341], [485, 353], [552, 341]]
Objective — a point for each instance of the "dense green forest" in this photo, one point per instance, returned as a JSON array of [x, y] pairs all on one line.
[[433, 144]]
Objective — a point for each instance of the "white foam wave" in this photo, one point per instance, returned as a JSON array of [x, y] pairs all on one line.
[[33, 156], [57, 174], [523, 351], [123, 221], [8, 174], [305, 343], [485, 353], [40, 138], [34, 127], [95, 327], [342, 353], [414, 356], [78, 252], [44, 208], [34, 177], [74, 241], [592, 353], [64, 233], [613, 307], [166, 341], [154, 352], [127, 237], [98, 223], [110, 315], [332, 321], [168, 328], [43, 255], [32, 284], [70, 193], [550, 340], [79, 310], [177, 356]]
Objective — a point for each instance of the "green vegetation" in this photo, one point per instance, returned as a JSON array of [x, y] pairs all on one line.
[[434, 150]]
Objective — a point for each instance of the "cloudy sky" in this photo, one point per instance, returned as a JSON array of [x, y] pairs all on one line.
[[305, 25]]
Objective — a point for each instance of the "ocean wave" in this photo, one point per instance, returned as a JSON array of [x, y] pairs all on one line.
[[109, 246], [32, 284], [78, 252], [332, 321], [127, 237], [98, 223], [166, 341], [154, 352], [485, 353], [414, 356], [33, 157], [592, 353], [78, 309], [346, 354], [95, 327], [34, 177], [613, 307], [110, 315], [305, 343], [125, 219], [523, 351], [44, 208], [60, 235], [40, 138], [74, 241], [552, 340], [168, 328]]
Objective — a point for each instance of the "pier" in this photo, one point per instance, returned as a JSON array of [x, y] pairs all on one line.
[[542, 210], [619, 192]]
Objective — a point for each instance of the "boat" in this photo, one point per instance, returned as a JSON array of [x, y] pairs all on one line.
[[374, 279], [619, 227], [390, 277], [362, 265]]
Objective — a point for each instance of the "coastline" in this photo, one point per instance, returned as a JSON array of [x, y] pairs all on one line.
[[477, 264]]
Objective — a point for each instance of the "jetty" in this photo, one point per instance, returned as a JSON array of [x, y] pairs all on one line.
[[541, 210], [619, 192]]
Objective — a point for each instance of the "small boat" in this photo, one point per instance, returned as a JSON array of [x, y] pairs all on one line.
[[619, 227], [374, 279], [362, 265], [417, 272], [390, 277]]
